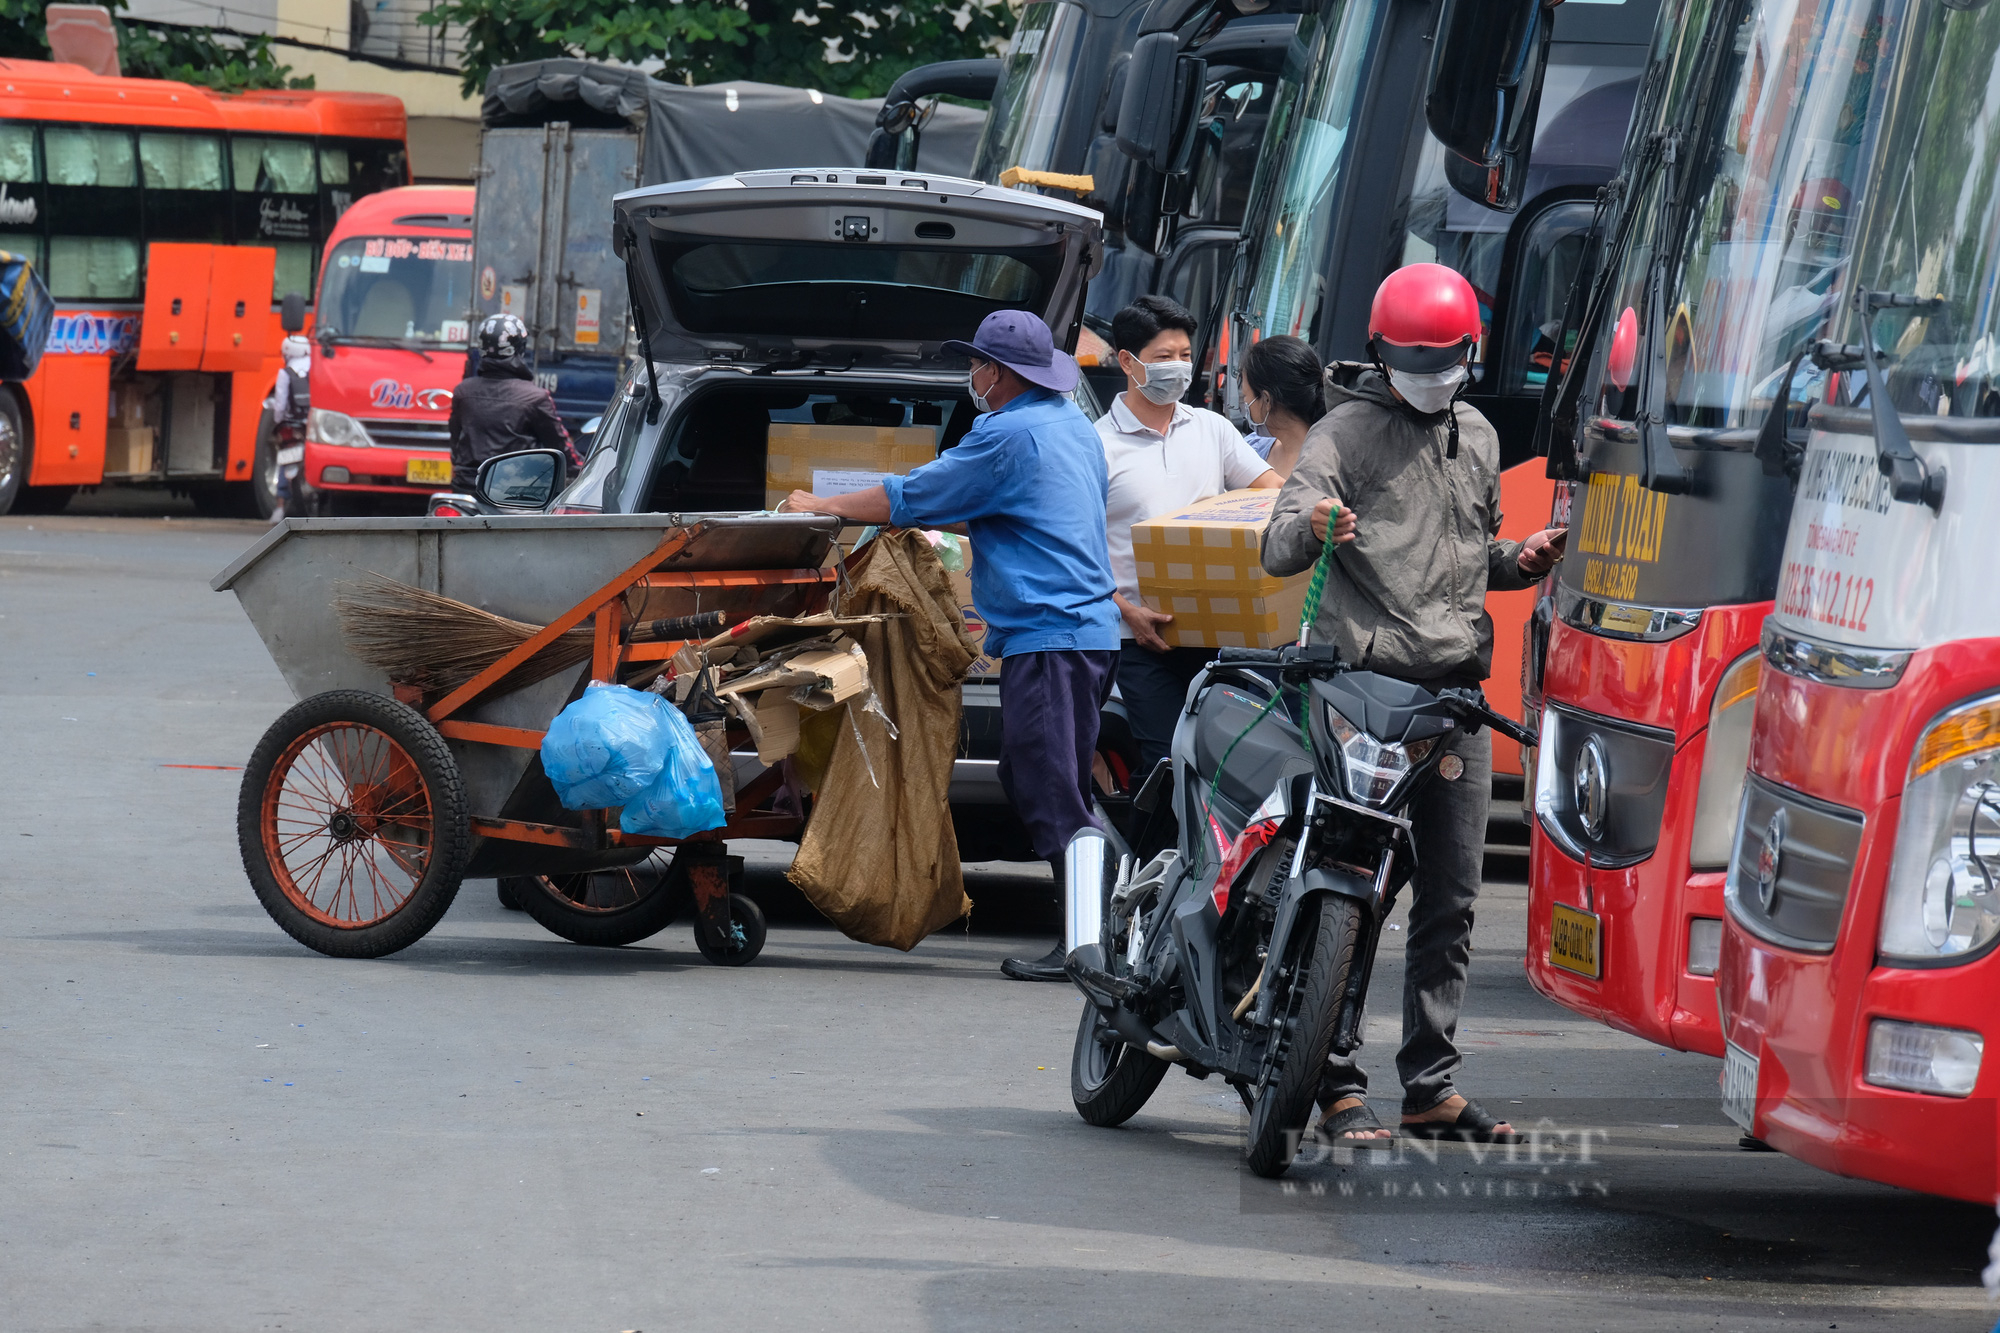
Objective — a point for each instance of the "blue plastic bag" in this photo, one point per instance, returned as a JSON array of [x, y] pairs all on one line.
[[686, 798], [607, 747]]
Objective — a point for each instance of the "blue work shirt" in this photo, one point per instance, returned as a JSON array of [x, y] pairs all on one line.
[[1028, 481]]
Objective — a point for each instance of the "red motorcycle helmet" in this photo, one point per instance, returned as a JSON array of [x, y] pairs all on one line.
[[1425, 319]]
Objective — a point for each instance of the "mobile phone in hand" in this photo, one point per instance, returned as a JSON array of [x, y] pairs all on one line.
[[1558, 539]]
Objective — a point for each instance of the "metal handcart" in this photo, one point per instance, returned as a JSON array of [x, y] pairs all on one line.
[[367, 803]]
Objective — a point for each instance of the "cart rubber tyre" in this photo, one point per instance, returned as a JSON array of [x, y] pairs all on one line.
[[1282, 1114], [1109, 1083], [352, 824], [606, 908], [748, 919]]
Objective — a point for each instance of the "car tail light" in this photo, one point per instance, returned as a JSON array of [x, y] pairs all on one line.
[[447, 511]]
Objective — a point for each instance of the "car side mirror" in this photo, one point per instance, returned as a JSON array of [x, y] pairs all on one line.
[[523, 480], [292, 312], [1484, 91], [1146, 116]]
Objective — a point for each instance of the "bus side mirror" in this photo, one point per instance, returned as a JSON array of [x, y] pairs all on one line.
[[292, 312], [1484, 91], [1146, 117]]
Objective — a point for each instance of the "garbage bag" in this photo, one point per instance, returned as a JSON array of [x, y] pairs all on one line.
[[879, 857], [607, 747], [686, 798], [26, 314]]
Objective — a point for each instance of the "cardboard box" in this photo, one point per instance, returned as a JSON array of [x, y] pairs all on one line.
[[1200, 565], [840, 458], [128, 449], [975, 624]]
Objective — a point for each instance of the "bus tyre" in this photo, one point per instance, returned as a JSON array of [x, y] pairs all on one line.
[[259, 495], [13, 452]]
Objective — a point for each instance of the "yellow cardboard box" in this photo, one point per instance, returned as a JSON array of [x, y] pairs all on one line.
[[128, 449], [795, 451], [1200, 565], [975, 624]]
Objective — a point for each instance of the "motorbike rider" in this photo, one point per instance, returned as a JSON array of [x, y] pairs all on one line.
[[290, 402], [1406, 598], [501, 409]]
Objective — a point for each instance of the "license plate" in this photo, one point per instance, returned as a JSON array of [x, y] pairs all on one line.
[[1573, 941], [428, 470], [1739, 1086]]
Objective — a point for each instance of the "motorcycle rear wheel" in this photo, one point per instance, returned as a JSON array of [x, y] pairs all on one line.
[[1109, 1083], [1283, 1111]]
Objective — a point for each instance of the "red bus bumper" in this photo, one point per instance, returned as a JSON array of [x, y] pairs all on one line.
[[1805, 1017], [381, 469]]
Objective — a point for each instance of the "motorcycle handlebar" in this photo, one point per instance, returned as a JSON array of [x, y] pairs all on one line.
[[1252, 656]]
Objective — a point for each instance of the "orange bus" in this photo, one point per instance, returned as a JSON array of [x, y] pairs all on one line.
[[169, 223]]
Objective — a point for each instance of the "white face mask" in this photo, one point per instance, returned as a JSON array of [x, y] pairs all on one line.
[[979, 403], [1256, 424], [1166, 381], [1428, 394]]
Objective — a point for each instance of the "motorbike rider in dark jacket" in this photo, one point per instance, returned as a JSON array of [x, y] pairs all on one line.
[[1406, 598], [501, 409]]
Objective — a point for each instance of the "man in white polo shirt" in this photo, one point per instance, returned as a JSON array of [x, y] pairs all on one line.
[[1162, 455]]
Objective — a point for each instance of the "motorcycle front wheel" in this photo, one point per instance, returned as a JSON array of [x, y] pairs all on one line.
[[1323, 957], [1109, 1080]]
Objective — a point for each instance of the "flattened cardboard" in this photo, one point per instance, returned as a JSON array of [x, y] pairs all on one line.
[[1201, 565]]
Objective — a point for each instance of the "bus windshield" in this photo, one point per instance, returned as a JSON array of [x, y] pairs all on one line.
[[1771, 177], [1291, 196], [1934, 222], [1035, 78], [399, 288]]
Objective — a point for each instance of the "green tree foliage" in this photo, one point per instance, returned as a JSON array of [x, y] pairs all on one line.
[[853, 49], [224, 62]]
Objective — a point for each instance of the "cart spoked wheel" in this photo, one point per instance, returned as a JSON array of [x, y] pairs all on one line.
[[607, 907], [352, 824], [744, 938]]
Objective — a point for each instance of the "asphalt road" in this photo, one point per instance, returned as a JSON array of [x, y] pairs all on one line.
[[207, 1127]]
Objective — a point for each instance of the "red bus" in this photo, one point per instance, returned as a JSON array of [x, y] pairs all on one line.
[[168, 223], [1860, 963], [1721, 275], [391, 334]]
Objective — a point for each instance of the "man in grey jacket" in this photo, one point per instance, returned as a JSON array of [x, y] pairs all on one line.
[[1406, 597]]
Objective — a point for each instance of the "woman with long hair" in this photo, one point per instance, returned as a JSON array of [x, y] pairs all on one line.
[[1284, 392]]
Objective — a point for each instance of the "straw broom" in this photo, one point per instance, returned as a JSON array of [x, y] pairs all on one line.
[[437, 644]]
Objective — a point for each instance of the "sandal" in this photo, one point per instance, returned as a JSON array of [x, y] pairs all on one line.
[[1337, 1127], [1473, 1125]]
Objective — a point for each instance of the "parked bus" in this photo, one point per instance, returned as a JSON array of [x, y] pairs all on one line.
[[1720, 271], [1859, 974], [1352, 184], [169, 222], [391, 335]]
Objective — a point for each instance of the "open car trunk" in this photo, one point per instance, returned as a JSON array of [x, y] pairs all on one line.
[[845, 269]]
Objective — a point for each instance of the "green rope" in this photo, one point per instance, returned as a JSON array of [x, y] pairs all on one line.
[[1317, 587]]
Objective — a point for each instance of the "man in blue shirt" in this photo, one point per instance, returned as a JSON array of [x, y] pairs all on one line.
[[1029, 483]]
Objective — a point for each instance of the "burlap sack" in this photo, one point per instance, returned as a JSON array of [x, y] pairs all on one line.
[[879, 857]]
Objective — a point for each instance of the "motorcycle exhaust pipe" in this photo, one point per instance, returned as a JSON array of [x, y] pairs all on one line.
[[1087, 865]]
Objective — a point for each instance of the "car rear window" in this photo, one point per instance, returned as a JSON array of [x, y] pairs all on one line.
[[804, 290]]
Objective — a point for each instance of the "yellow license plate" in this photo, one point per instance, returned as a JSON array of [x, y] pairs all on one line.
[[1573, 941], [428, 470]]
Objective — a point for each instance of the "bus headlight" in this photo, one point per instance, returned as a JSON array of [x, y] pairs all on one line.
[[1374, 769], [1943, 897], [1725, 759], [326, 426]]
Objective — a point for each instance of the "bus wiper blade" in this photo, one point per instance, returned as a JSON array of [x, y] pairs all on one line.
[[376, 340], [1911, 480]]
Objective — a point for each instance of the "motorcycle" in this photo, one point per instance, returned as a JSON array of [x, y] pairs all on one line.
[[1244, 949]]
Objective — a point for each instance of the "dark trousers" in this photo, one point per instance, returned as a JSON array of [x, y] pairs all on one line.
[[1448, 825], [1154, 687], [1049, 704]]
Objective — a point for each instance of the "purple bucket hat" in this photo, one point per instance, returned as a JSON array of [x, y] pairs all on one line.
[[1023, 344]]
